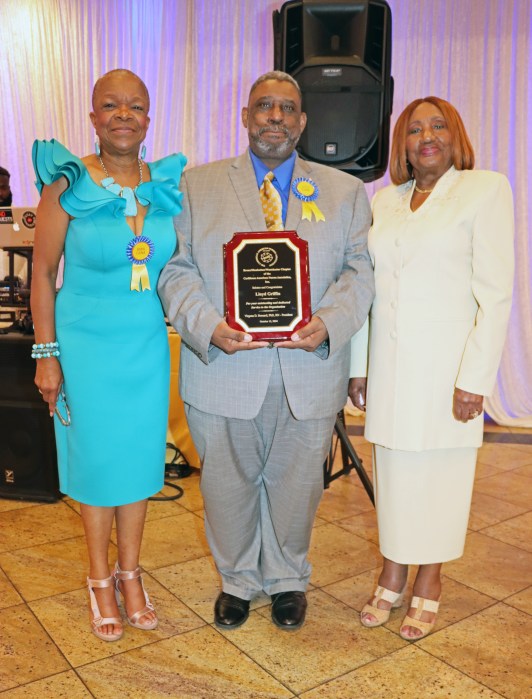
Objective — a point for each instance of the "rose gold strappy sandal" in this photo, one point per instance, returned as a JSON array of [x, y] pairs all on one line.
[[420, 604], [97, 620], [134, 618], [381, 615]]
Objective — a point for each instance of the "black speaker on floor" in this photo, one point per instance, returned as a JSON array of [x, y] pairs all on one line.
[[339, 51], [28, 462]]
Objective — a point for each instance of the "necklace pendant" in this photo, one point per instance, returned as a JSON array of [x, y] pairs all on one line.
[[131, 204], [113, 187]]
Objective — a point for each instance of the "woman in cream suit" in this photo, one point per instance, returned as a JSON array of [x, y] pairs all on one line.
[[442, 248]]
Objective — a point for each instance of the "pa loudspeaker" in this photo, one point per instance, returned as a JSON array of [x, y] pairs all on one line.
[[28, 462], [339, 51]]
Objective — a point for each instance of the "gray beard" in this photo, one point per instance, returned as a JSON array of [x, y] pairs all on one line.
[[273, 150]]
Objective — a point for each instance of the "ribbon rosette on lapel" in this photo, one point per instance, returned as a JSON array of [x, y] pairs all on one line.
[[307, 191], [139, 250]]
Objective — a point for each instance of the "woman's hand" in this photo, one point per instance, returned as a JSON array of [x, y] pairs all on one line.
[[49, 379], [357, 392], [466, 406]]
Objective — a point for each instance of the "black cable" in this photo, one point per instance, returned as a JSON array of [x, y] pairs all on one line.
[[174, 469], [169, 497]]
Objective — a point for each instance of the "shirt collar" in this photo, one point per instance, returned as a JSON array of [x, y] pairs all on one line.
[[283, 172]]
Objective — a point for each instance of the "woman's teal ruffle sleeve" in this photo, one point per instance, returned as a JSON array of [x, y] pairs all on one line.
[[51, 160]]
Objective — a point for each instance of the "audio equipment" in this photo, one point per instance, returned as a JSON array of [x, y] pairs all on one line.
[[28, 462], [339, 51]]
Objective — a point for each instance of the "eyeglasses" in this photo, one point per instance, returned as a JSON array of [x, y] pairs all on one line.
[[64, 421]]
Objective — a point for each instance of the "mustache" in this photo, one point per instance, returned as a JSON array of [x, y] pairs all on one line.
[[273, 129]]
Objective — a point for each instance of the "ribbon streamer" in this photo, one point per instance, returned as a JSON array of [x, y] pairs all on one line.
[[308, 208], [139, 277]]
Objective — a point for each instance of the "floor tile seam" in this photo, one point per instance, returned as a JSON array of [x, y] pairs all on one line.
[[254, 612], [63, 656], [498, 497], [336, 524], [173, 594], [40, 679], [150, 519], [346, 577], [43, 543], [471, 588], [140, 646], [75, 671], [457, 669], [517, 592], [14, 585], [70, 504], [363, 665], [179, 599], [178, 514], [83, 588], [500, 541], [185, 604], [508, 603], [505, 521], [501, 470], [169, 565], [339, 522], [501, 521], [333, 519], [338, 599]]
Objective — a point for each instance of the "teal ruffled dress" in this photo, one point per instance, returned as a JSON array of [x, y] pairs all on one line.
[[113, 340]]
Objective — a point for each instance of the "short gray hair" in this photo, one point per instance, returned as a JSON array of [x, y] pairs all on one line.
[[278, 75]]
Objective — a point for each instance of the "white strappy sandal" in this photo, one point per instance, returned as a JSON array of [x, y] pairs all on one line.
[[381, 615], [420, 604]]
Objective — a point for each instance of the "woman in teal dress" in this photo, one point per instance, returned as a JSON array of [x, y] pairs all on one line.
[[101, 343]]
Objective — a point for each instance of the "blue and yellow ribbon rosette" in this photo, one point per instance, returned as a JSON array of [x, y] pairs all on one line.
[[139, 251], [307, 191]]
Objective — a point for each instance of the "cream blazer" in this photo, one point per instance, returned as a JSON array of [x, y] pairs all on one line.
[[443, 278]]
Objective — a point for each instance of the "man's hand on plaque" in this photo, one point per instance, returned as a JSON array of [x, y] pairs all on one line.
[[231, 341], [307, 338]]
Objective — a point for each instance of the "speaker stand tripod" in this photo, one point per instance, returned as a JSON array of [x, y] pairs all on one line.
[[350, 459]]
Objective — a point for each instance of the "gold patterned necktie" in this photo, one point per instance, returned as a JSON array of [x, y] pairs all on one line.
[[271, 204]]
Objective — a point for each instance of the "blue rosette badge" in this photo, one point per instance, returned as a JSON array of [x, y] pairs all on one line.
[[139, 251], [307, 192]]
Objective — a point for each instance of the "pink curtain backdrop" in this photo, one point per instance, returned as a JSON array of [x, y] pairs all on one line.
[[199, 57]]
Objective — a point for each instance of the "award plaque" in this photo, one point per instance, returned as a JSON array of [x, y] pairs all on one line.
[[267, 284]]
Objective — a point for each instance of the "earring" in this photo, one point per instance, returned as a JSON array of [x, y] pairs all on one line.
[[97, 145], [143, 152]]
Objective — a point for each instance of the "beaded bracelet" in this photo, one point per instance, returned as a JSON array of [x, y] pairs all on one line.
[[43, 350]]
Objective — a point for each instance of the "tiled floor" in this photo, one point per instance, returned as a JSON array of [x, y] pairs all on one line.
[[481, 646]]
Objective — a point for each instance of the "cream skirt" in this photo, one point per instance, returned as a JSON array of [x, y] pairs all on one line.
[[423, 501]]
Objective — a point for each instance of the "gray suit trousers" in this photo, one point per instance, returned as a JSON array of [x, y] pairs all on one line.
[[261, 481]]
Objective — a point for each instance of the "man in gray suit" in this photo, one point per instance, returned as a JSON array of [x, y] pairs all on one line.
[[262, 416]]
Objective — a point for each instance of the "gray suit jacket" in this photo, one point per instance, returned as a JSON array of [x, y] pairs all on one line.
[[221, 199]]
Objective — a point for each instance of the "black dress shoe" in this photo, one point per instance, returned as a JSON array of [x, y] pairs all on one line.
[[230, 612], [288, 610]]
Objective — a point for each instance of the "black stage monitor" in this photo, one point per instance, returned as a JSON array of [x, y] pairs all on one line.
[[339, 51]]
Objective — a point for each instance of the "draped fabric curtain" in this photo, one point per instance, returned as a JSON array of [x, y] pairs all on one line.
[[198, 59]]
